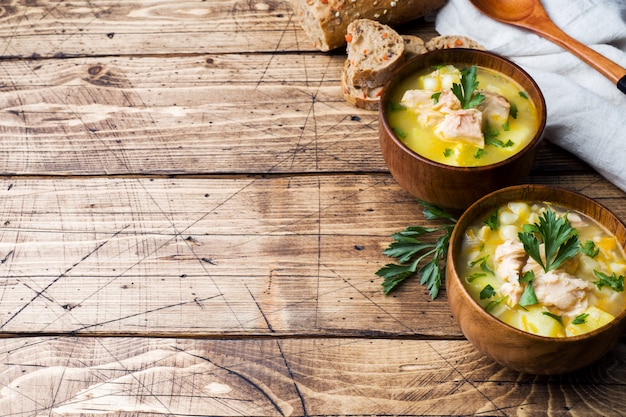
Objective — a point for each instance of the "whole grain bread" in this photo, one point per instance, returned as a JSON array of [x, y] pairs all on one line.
[[362, 97], [447, 42], [413, 46], [374, 50], [326, 21]]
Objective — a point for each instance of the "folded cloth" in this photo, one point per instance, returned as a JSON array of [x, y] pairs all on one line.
[[586, 112]]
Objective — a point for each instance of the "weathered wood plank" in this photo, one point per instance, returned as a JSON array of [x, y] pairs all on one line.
[[283, 377], [93, 116], [115, 116], [286, 255], [46, 28], [256, 255]]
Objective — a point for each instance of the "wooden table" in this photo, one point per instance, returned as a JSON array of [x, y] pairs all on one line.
[[191, 218]]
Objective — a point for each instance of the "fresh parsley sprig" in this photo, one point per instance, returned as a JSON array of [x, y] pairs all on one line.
[[613, 281], [559, 238], [465, 91], [411, 252]]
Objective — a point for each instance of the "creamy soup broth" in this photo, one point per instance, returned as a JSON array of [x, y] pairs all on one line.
[[512, 135], [480, 267]]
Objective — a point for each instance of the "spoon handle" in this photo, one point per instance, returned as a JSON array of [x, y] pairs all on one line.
[[605, 66]]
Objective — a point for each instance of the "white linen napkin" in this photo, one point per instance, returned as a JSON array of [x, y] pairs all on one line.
[[586, 112]]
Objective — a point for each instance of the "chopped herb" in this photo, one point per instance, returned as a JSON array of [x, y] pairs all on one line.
[[435, 97], [522, 94], [479, 153], [490, 133], [483, 264], [494, 303], [554, 316], [475, 275], [513, 111], [396, 107], [493, 221], [432, 212], [465, 91], [616, 283], [528, 297], [487, 292], [447, 152], [559, 238], [399, 133], [410, 252], [589, 248], [580, 319], [527, 277], [506, 126], [498, 143]]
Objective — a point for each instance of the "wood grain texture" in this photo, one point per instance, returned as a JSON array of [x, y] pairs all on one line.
[[185, 177], [283, 377], [46, 28], [175, 116], [256, 255]]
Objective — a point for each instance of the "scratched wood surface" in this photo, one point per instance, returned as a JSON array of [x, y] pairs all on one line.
[[191, 218]]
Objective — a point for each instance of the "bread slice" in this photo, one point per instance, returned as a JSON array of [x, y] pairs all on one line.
[[413, 46], [362, 97], [325, 21], [374, 50], [447, 42]]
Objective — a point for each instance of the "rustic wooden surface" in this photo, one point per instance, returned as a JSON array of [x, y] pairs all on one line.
[[191, 218]]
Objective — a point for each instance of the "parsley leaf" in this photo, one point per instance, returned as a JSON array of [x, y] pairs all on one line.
[[435, 97], [396, 107], [410, 251], [616, 283], [494, 303], [554, 316], [399, 132], [528, 297], [487, 292], [465, 91], [560, 240], [589, 248], [474, 276], [580, 319], [483, 264], [493, 221]]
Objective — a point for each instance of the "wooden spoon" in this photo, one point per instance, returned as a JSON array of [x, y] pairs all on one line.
[[531, 15]]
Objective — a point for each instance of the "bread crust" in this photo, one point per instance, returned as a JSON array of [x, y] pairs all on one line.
[[452, 41], [326, 21], [374, 50], [362, 97]]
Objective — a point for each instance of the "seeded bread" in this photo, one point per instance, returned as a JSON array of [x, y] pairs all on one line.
[[326, 21], [374, 51], [446, 42], [361, 97], [413, 46]]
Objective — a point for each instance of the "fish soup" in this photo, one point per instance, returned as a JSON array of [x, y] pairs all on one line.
[[544, 269], [462, 116]]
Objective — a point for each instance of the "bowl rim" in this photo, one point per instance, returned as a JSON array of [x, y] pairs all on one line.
[[395, 79], [472, 214]]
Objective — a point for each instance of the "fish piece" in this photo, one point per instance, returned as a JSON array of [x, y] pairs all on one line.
[[495, 108], [562, 291], [462, 125]]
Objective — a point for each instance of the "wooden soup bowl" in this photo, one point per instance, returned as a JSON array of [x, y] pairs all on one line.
[[507, 345], [450, 187]]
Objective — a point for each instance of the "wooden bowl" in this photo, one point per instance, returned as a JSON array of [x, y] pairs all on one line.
[[449, 187], [509, 346]]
